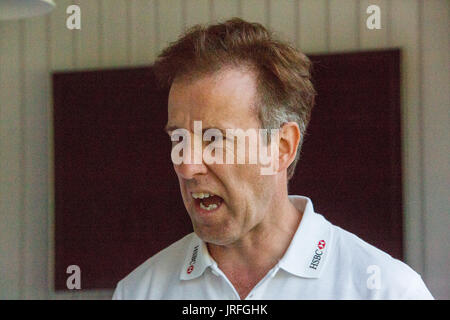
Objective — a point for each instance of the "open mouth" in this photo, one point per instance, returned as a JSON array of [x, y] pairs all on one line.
[[206, 202]]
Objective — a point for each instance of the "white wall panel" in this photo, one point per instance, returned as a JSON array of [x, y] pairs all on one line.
[[436, 124], [343, 25], [115, 44], [197, 11], [36, 104], [313, 21], [88, 39], [11, 160], [255, 10], [224, 9], [404, 27], [143, 32], [282, 19], [171, 21], [373, 38], [61, 38]]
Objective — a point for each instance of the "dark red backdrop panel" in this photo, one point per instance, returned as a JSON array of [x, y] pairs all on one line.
[[117, 200], [351, 159]]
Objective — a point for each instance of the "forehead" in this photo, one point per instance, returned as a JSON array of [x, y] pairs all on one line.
[[225, 100]]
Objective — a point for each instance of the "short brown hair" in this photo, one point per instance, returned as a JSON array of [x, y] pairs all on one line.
[[285, 90]]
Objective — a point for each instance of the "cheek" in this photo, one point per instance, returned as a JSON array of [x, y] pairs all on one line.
[[245, 181], [175, 168], [258, 187], [182, 189]]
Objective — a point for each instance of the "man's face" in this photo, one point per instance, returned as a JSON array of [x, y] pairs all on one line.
[[223, 101]]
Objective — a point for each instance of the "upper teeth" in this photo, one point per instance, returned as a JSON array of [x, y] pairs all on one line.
[[200, 195]]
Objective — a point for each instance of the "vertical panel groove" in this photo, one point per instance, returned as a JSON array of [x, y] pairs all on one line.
[[100, 33], [49, 150], [421, 137], [358, 24], [21, 210], [388, 22], [327, 26], [183, 15], [75, 34], [51, 193], [129, 25], [211, 10], [297, 24], [157, 29], [239, 9]]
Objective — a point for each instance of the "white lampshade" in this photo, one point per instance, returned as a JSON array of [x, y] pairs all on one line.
[[19, 9]]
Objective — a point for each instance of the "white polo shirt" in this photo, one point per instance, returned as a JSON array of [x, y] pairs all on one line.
[[323, 261]]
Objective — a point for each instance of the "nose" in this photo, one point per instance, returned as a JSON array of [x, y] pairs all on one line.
[[192, 163], [189, 171]]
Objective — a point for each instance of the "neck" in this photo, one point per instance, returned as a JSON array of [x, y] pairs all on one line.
[[265, 244]]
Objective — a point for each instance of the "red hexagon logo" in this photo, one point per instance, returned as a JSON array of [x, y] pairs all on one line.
[[321, 244]]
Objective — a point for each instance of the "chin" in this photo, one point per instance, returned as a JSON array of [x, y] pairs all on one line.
[[216, 238]]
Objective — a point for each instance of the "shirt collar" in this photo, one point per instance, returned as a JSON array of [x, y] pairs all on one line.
[[305, 256], [307, 253], [197, 259]]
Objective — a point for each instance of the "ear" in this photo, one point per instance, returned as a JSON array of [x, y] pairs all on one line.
[[289, 139]]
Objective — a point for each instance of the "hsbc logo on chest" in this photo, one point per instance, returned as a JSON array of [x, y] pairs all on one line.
[[317, 255]]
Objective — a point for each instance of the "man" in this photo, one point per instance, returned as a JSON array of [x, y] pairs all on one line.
[[251, 240]]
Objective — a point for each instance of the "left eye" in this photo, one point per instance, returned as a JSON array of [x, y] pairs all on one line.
[[214, 139]]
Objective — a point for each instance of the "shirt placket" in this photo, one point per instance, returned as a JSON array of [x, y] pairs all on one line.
[[217, 272], [252, 295]]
